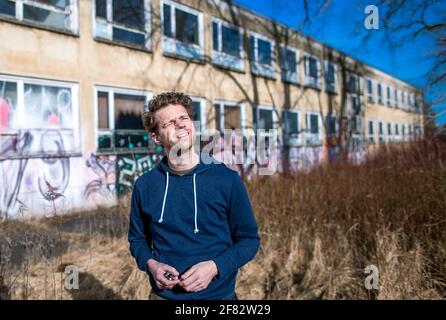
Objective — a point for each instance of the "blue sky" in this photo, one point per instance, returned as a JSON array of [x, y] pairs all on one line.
[[341, 25]]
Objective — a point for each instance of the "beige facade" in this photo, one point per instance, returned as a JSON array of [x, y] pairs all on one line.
[[74, 75]]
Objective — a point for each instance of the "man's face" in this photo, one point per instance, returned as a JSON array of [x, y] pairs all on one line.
[[175, 128]]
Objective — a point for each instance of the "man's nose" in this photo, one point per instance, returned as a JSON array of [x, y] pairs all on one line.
[[180, 123]]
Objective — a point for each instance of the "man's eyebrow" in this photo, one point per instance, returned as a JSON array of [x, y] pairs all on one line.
[[181, 115]]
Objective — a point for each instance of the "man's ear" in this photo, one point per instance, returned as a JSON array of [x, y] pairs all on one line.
[[155, 138]]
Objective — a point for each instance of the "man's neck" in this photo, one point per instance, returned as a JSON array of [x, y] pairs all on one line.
[[187, 160]]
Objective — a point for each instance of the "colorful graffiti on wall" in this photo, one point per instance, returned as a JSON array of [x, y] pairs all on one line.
[[131, 166]]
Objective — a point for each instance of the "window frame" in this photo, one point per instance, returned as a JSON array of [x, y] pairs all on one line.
[[221, 104], [310, 136], [74, 89], [111, 91], [371, 136], [288, 75], [389, 98], [203, 121], [71, 10], [233, 62], [168, 43], [326, 64], [292, 138], [110, 24], [259, 68], [308, 80], [370, 95], [379, 85]]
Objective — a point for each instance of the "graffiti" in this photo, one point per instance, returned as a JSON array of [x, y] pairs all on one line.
[[130, 168], [49, 168], [12, 172], [104, 182], [58, 169]]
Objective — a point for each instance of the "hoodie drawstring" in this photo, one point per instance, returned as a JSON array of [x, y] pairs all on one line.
[[195, 206], [165, 196], [195, 202]]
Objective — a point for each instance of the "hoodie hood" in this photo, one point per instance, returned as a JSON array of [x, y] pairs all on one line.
[[206, 163]]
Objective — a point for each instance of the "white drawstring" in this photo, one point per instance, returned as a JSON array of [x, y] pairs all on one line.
[[165, 196], [195, 202], [195, 206]]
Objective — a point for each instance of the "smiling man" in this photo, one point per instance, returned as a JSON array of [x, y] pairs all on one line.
[[191, 222]]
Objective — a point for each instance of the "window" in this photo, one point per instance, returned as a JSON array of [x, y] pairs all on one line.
[[312, 71], [330, 77], [125, 21], [389, 129], [264, 118], [290, 124], [371, 131], [57, 14], [261, 55], [228, 116], [120, 127], [355, 103], [312, 126], [288, 58], [198, 108], [396, 98], [396, 129], [409, 101], [403, 99], [371, 127], [353, 82], [227, 45], [182, 30], [370, 97], [331, 125], [389, 96], [38, 117], [380, 94]]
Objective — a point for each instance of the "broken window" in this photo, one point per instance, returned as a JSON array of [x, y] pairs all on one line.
[[312, 67], [288, 64], [8, 106], [123, 21], [261, 55], [290, 121], [227, 116], [41, 111], [264, 118], [330, 77], [227, 45], [48, 107], [182, 29], [120, 126], [59, 14]]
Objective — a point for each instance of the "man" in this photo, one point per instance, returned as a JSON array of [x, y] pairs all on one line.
[[191, 221]]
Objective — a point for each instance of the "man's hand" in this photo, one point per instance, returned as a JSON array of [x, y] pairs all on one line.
[[157, 269], [199, 276]]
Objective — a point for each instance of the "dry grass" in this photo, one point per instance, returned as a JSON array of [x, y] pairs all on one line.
[[319, 230]]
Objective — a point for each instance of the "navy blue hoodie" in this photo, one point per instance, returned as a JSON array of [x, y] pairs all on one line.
[[183, 220]]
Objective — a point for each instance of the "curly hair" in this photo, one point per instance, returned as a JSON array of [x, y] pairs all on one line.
[[160, 101]]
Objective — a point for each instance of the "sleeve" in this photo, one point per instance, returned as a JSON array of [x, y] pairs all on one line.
[[244, 231], [139, 235]]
